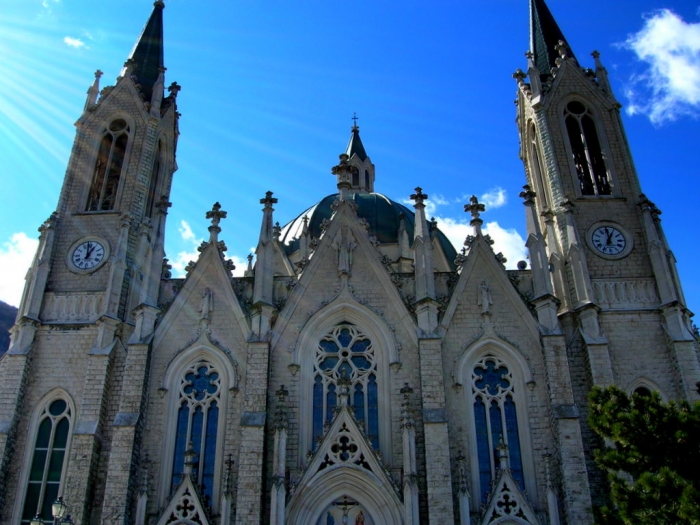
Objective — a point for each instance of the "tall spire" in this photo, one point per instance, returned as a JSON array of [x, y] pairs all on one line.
[[355, 172], [355, 145], [544, 36], [146, 59]]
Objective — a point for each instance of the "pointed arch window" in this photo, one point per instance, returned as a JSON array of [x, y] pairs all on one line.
[[345, 354], [197, 427], [355, 177], [108, 167], [154, 183], [586, 150], [495, 419], [536, 172], [48, 461]]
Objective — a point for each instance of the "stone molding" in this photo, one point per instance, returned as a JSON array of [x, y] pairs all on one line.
[[72, 307], [621, 294]]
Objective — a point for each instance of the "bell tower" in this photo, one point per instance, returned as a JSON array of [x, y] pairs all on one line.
[[101, 251], [607, 254], [92, 291]]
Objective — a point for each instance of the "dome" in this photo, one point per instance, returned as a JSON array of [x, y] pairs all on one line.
[[381, 213]]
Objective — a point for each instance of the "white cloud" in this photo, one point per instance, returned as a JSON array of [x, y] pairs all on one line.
[[73, 42], [494, 198], [190, 253], [15, 258], [46, 4], [670, 85], [507, 241]]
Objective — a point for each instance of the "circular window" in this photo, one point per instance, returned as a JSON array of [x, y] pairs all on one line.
[[576, 107], [118, 125], [58, 407]]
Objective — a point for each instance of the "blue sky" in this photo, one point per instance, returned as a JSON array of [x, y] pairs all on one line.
[[269, 89]]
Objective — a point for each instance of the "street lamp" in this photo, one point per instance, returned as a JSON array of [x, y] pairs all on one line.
[[58, 510]]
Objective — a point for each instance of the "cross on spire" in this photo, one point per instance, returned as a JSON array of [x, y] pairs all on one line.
[[474, 207], [216, 214], [269, 200], [419, 196], [354, 122]]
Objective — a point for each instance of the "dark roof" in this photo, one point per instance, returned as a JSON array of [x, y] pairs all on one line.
[[355, 145], [544, 36], [381, 213], [147, 54]]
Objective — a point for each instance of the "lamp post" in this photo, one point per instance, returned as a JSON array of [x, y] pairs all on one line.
[[58, 511]]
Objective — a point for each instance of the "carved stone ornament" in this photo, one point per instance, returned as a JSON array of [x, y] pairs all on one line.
[[484, 298], [207, 305], [344, 243]]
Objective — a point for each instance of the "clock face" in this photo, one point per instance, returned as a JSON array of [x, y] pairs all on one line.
[[88, 255], [608, 240]]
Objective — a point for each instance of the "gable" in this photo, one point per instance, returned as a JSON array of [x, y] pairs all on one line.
[[206, 296], [344, 465], [184, 507], [484, 287], [345, 267]]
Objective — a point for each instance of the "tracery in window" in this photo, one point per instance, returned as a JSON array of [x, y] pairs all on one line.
[[197, 425], [586, 150], [495, 419], [48, 461], [108, 167], [346, 354]]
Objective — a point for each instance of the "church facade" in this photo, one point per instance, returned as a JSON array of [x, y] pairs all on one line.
[[362, 370]]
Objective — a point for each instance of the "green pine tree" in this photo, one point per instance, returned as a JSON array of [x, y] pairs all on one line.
[[651, 457]]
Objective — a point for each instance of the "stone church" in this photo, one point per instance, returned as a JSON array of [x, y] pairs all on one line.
[[363, 370]]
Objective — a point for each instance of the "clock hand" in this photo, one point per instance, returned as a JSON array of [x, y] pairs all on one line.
[[609, 234]]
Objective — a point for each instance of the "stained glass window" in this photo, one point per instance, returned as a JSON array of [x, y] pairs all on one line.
[[345, 352], [495, 419], [197, 425], [108, 167], [48, 461], [586, 150]]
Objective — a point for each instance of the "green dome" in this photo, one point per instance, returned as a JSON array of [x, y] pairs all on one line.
[[381, 213]]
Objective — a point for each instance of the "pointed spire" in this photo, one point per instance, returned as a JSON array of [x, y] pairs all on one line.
[[545, 36], [355, 144], [424, 269], [147, 56], [93, 92]]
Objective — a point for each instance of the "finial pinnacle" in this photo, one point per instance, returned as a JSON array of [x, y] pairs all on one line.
[[216, 214], [269, 200], [355, 127], [174, 89], [475, 207], [419, 196]]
